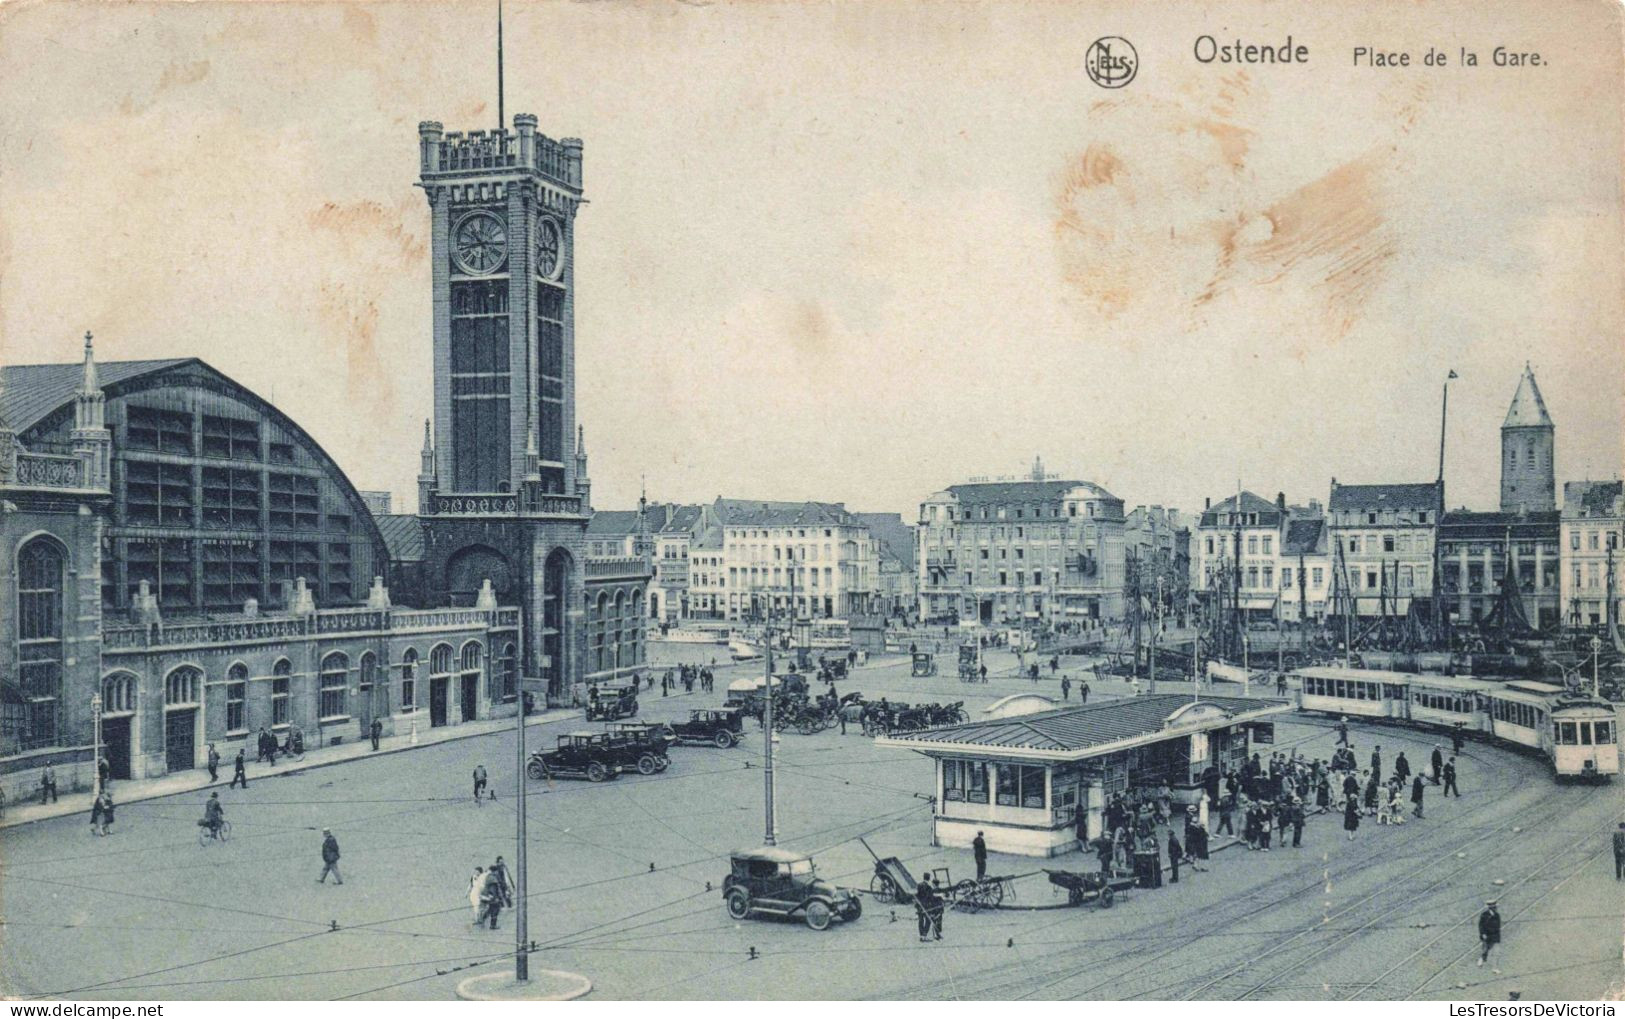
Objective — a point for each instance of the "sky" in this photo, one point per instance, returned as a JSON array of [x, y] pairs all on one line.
[[861, 252]]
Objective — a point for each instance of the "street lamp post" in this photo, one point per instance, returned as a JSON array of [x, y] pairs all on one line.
[[521, 927], [96, 724]]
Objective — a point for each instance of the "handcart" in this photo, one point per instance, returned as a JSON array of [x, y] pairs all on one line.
[[1099, 887]]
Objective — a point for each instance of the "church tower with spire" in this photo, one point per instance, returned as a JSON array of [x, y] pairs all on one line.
[[1528, 447]]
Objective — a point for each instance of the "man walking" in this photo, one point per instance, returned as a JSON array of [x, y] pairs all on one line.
[[479, 782], [1083, 691], [929, 909], [214, 764], [1619, 852], [1066, 688], [330, 857], [1416, 795], [1343, 731], [1489, 931], [376, 730], [978, 846], [238, 774], [47, 784], [1450, 778], [1376, 764], [1402, 768], [1175, 853], [1438, 763]]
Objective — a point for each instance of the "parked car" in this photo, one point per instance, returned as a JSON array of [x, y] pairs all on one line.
[[611, 703], [721, 729], [642, 745], [587, 755], [771, 881]]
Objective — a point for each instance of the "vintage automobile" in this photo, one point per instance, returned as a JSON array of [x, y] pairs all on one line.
[[771, 881], [611, 703], [587, 755], [721, 729], [642, 746]]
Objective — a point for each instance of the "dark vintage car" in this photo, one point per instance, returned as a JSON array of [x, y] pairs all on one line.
[[642, 746], [771, 881], [718, 728], [608, 703], [588, 755]]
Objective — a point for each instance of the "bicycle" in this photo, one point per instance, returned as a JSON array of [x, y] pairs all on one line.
[[221, 834]]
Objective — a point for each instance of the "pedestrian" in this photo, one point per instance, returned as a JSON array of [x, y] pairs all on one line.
[[504, 880], [1175, 853], [1371, 794], [1619, 852], [1066, 688], [330, 857], [1376, 763], [1396, 808], [104, 771], [1489, 931], [1297, 822], [982, 672], [491, 898], [1416, 795], [107, 812], [47, 783], [214, 764], [1455, 739], [1450, 778], [1438, 763], [476, 889], [479, 782], [1195, 840], [238, 774], [978, 848], [1343, 731], [1351, 817], [375, 731], [1402, 768], [1083, 691], [926, 903], [1227, 807], [96, 815], [1266, 823]]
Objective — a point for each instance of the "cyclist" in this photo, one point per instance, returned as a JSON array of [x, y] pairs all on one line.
[[214, 815]]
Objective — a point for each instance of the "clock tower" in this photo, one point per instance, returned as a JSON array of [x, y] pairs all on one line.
[[504, 492]]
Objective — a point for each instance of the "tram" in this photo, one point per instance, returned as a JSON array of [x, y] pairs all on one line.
[[1578, 735]]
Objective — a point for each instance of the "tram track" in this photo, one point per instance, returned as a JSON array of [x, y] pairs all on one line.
[[1404, 896], [1232, 920]]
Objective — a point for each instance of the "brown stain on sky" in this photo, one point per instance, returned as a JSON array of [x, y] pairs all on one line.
[[177, 74], [359, 220], [354, 318]]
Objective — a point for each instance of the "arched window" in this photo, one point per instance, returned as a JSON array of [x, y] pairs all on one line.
[[469, 665], [182, 687], [409, 681], [335, 685], [41, 583], [118, 694], [440, 661], [237, 698], [281, 690], [509, 667], [369, 688]]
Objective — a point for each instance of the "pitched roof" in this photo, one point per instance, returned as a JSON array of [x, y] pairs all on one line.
[[979, 493], [1459, 525], [403, 535], [681, 518], [1528, 409], [1303, 537], [613, 522], [33, 391], [1364, 497], [737, 512], [896, 537], [1082, 727], [1268, 512], [1591, 498]]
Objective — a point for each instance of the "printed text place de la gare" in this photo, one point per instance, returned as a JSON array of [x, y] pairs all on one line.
[[1236, 51]]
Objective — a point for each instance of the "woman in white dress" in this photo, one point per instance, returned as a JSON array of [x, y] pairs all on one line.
[[476, 885]]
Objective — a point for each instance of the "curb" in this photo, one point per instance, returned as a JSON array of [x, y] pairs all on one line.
[[302, 766], [544, 985]]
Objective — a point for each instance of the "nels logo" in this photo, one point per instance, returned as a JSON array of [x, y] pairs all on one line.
[[1111, 61]]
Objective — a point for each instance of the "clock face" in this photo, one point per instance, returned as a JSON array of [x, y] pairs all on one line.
[[549, 248], [480, 243]]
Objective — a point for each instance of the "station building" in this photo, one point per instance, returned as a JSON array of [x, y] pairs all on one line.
[[182, 564], [1036, 783]]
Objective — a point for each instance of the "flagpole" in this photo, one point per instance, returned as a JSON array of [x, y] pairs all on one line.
[[502, 120]]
